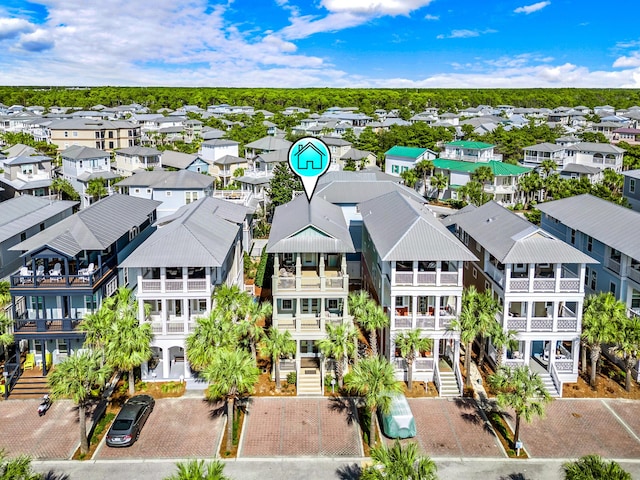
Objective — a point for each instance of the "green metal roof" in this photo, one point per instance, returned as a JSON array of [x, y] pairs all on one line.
[[473, 145], [409, 152], [499, 169]]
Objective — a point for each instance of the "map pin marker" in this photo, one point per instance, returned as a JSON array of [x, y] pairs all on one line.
[[309, 159]]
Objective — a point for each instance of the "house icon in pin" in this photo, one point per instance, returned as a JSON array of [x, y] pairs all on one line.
[[309, 157]]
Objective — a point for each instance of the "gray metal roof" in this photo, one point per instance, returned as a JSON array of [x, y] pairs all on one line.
[[545, 147], [26, 160], [356, 187], [167, 180], [138, 151], [95, 228], [78, 152], [229, 160], [402, 229], [200, 234], [607, 222], [269, 143], [595, 147], [274, 156], [632, 173], [171, 158], [23, 212], [308, 227], [220, 142], [105, 175], [579, 168], [512, 239]]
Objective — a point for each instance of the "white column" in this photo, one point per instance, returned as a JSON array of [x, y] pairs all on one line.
[[166, 362], [164, 315], [532, 272]]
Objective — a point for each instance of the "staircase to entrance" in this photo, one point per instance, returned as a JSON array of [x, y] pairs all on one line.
[[545, 376], [309, 381], [29, 386], [448, 383]]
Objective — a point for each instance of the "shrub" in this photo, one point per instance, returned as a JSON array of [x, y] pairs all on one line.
[[140, 385], [171, 387], [291, 378], [327, 380]]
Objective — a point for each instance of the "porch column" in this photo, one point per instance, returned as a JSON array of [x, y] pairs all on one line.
[[414, 309], [166, 362], [297, 317], [163, 279], [532, 273], [392, 316], [583, 272], [187, 368], [186, 312], [526, 354], [164, 314], [414, 279], [575, 355], [558, 274], [323, 280]]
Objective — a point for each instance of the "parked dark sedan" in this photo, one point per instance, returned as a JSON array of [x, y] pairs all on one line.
[[129, 421]]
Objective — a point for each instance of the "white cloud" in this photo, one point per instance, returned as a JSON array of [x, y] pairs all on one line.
[[36, 41], [431, 17], [464, 33], [628, 61], [527, 9], [375, 8], [12, 27]]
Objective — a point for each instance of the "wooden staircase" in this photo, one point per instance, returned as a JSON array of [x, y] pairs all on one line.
[[309, 380], [29, 386]]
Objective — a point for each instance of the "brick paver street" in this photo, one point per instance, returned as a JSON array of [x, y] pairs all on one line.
[[573, 428], [177, 428], [298, 426], [451, 427], [53, 436]]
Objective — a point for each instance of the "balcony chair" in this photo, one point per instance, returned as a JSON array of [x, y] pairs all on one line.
[[29, 362], [40, 272], [85, 273], [55, 274], [26, 275]]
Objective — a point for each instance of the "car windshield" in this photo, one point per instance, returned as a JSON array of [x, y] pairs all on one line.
[[121, 424]]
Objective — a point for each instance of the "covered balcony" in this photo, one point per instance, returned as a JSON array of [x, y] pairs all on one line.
[[544, 316], [174, 280], [310, 271], [309, 314], [424, 312], [539, 277], [422, 273]]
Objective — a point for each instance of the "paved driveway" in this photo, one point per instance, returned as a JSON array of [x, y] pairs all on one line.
[[573, 428], [53, 436], [177, 428], [297, 427], [451, 428]]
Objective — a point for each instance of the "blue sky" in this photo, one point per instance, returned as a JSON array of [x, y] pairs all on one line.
[[322, 43]]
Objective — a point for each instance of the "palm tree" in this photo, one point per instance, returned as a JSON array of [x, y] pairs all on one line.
[[18, 468], [483, 174], [439, 181], [369, 316], [199, 470], [212, 333], [128, 342], [627, 346], [6, 337], [96, 188], [409, 177], [424, 168], [340, 344], [603, 316], [548, 165], [276, 344], [399, 463], [5, 295], [231, 300], [410, 343], [373, 379], [76, 378], [467, 325], [487, 308], [520, 389], [249, 328], [594, 467], [232, 374], [96, 328], [502, 339]]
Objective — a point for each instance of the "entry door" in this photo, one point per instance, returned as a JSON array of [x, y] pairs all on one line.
[[308, 348]]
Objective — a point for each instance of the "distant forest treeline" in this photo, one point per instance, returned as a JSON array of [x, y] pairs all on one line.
[[318, 99]]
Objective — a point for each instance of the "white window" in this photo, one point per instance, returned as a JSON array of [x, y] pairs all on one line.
[[62, 346], [332, 304], [167, 193], [125, 276], [632, 185], [136, 190], [287, 304], [133, 233], [190, 197], [75, 134]]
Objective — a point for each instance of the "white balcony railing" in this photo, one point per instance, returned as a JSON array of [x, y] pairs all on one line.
[[173, 286], [613, 265]]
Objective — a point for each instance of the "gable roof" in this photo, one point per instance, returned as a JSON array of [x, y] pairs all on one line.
[[269, 143], [607, 222], [407, 152], [344, 187], [595, 147], [162, 179], [229, 160], [20, 213], [292, 219], [512, 239], [200, 234], [138, 150], [402, 229], [171, 158], [96, 227], [78, 152]]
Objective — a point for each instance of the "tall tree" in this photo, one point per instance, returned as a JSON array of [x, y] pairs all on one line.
[[547, 166], [411, 343], [371, 318], [424, 168], [483, 175], [128, 341], [282, 185], [439, 181], [399, 462], [603, 315], [76, 377], [467, 325], [594, 467], [627, 346], [212, 333], [232, 374], [373, 379], [487, 308], [250, 328], [341, 345], [522, 390], [275, 345], [96, 188], [199, 470], [6, 337], [502, 339], [409, 178]]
